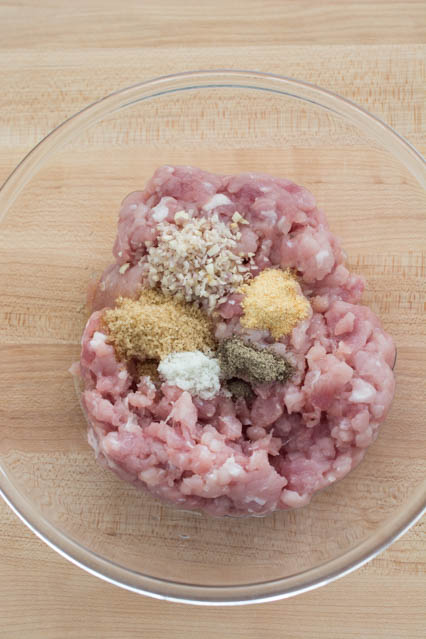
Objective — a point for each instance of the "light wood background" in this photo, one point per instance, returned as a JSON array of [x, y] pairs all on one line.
[[56, 57]]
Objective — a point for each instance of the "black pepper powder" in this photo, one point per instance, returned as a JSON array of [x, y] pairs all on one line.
[[258, 366]]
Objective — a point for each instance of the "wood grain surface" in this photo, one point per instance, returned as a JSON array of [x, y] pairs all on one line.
[[56, 57]]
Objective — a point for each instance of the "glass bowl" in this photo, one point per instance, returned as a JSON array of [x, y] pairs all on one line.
[[58, 220]]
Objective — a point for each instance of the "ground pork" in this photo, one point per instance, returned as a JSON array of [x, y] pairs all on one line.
[[274, 451]]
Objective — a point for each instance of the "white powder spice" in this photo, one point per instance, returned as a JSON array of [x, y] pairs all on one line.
[[192, 371]]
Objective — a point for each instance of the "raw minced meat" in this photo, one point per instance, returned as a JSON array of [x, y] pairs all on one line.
[[241, 456]]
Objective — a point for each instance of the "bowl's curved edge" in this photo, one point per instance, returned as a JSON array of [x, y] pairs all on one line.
[[214, 595]]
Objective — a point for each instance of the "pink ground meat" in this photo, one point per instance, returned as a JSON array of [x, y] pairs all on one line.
[[231, 457]]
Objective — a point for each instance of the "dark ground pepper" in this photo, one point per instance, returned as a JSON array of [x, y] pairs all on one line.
[[253, 364], [239, 389]]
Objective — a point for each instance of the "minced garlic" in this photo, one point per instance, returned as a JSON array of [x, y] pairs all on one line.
[[124, 267], [153, 326], [273, 301], [195, 260], [239, 219]]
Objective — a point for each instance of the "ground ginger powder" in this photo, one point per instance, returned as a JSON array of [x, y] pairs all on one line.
[[154, 326], [273, 301]]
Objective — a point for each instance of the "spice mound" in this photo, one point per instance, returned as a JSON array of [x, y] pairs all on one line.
[[197, 260], [253, 364], [239, 389], [228, 365], [273, 301], [153, 326], [193, 372]]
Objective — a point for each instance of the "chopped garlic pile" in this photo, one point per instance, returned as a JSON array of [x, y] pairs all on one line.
[[193, 372], [196, 260]]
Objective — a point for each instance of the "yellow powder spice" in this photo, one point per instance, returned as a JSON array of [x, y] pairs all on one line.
[[273, 301], [154, 326]]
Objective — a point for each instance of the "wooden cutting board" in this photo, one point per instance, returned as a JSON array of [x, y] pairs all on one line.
[[59, 56]]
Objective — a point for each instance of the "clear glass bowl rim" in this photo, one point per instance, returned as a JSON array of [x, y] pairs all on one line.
[[116, 574]]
